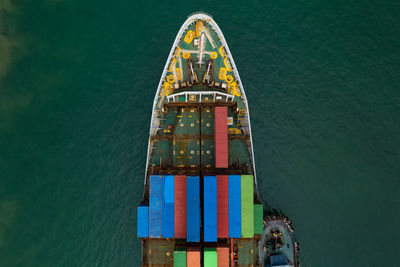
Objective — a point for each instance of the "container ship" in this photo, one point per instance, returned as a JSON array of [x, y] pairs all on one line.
[[200, 205]]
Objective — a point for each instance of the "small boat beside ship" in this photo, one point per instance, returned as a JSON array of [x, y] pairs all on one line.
[[200, 205]]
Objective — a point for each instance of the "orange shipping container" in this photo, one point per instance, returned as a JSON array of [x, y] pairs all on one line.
[[223, 257], [193, 259]]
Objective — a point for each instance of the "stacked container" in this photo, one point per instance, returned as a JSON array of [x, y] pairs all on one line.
[[180, 206], [143, 221], [210, 257], [168, 207], [221, 137], [222, 206], [247, 201], [258, 219], [193, 257], [210, 208], [223, 257], [179, 258], [235, 218], [155, 212], [193, 209], [174, 208]]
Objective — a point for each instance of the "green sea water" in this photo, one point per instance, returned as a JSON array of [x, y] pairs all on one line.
[[77, 81]]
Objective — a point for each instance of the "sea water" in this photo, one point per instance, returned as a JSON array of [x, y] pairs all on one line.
[[77, 82]]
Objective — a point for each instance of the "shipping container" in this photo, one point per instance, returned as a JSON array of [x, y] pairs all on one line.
[[210, 208], [179, 258], [235, 219], [221, 137], [193, 257], [143, 221], [155, 211], [222, 206], [223, 256], [258, 219], [168, 207], [180, 206], [210, 257], [193, 209], [247, 196]]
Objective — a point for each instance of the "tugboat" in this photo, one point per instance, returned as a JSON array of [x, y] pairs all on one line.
[[200, 204], [277, 247]]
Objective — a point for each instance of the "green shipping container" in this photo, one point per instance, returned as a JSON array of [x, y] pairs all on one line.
[[179, 258], [258, 219], [210, 257], [247, 197]]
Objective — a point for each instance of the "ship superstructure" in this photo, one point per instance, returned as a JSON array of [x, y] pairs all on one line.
[[200, 205]]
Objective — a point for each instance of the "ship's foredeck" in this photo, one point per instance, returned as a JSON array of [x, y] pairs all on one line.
[[200, 61]]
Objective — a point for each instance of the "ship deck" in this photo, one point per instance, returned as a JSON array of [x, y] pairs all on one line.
[[185, 138]]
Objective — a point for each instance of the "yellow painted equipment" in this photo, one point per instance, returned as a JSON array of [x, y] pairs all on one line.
[[213, 55], [236, 91], [170, 78], [167, 88], [222, 51], [199, 27], [227, 63], [178, 73], [189, 37], [229, 78], [233, 84], [234, 131], [172, 65], [178, 51], [233, 89], [229, 89], [222, 73], [186, 55]]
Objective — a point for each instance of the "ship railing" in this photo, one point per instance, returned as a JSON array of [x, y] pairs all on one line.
[[199, 96]]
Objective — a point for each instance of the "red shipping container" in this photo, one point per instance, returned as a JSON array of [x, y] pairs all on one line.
[[222, 206], [221, 137], [193, 258], [180, 206], [223, 257]]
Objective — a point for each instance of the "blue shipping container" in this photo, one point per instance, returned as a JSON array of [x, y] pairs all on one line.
[[235, 218], [193, 209], [168, 207], [155, 211], [143, 221], [210, 209]]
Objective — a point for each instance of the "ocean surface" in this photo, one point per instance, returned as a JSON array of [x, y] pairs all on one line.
[[77, 81]]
